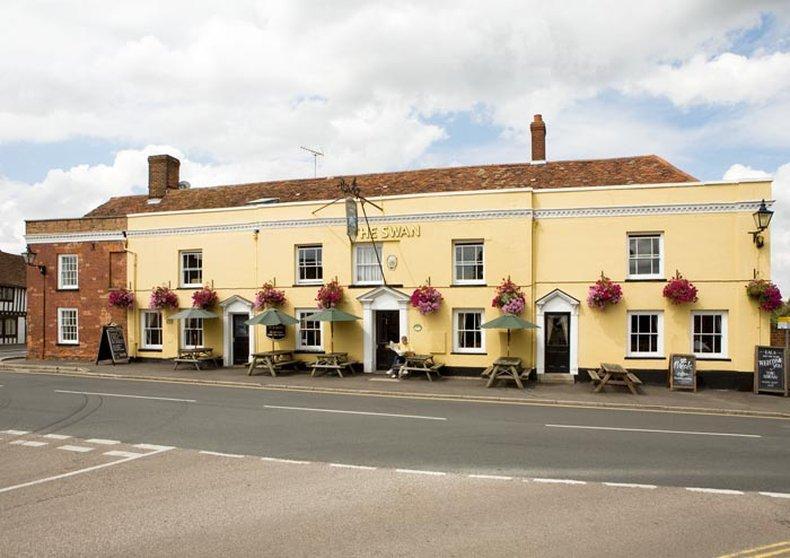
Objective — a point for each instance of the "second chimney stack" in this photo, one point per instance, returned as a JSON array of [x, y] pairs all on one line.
[[538, 129], [162, 175]]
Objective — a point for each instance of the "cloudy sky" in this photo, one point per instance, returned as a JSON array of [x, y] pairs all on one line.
[[90, 89]]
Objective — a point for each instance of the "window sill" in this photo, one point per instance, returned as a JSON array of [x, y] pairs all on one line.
[[189, 287], [645, 358], [147, 350], [645, 280], [308, 284], [61, 344], [713, 359], [67, 289], [468, 353], [366, 285], [309, 352], [469, 285]]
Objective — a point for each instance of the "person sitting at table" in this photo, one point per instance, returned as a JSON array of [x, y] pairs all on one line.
[[401, 350]]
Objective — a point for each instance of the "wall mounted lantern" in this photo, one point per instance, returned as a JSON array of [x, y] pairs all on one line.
[[762, 218], [30, 258]]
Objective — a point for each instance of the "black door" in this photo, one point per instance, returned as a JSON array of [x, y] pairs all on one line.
[[241, 339], [387, 329], [558, 346]]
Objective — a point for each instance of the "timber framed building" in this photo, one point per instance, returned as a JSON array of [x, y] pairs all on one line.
[[13, 299]]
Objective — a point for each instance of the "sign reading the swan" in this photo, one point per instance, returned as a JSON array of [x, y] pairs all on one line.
[[770, 370], [389, 232], [683, 372]]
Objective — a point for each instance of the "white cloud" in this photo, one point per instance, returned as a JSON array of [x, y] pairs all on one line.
[[740, 172]]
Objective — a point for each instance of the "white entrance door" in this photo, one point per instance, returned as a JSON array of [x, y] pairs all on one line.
[[557, 339], [380, 298]]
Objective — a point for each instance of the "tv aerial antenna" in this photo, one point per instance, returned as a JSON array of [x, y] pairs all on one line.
[[316, 154], [351, 195]]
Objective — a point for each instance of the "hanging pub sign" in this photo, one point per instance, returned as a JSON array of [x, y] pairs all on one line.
[[275, 332], [682, 372], [112, 345], [352, 219], [771, 369]]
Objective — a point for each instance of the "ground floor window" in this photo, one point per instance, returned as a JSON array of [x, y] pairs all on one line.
[[645, 334], [308, 332], [192, 333], [709, 334], [68, 333], [152, 330], [468, 336], [8, 331]]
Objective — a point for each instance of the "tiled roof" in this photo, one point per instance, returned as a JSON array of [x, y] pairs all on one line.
[[646, 169], [12, 270]]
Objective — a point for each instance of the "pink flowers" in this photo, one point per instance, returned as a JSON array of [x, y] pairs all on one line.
[[604, 292], [680, 290], [269, 297], [766, 292], [509, 298], [162, 298], [204, 298], [121, 298], [426, 299], [329, 295]]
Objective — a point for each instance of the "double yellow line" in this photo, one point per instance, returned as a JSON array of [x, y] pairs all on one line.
[[776, 550]]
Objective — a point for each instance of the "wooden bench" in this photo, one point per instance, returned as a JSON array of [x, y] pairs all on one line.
[[615, 375], [421, 364], [273, 362], [194, 357], [504, 368], [333, 362]]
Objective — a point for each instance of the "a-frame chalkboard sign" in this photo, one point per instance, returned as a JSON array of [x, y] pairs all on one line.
[[112, 345], [771, 369], [682, 372]]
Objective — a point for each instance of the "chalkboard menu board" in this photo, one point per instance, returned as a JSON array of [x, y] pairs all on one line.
[[770, 370], [112, 345], [275, 331], [683, 372]]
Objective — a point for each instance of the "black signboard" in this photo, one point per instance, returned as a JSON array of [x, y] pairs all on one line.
[[112, 345], [275, 332], [771, 369], [683, 372]]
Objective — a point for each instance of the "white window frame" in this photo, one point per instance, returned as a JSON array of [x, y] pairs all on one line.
[[61, 339], [724, 334], [181, 269], [184, 335], [455, 330], [456, 279], [62, 285], [659, 352], [299, 280], [377, 246], [646, 276], [298, 330], [143, 339]]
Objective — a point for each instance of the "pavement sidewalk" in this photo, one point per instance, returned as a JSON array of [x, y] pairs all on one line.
[[452, 388]]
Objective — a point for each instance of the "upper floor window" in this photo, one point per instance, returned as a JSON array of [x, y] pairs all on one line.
[[468, 262], [6, 294], [192, 333], [192, 268], [152, 329], [368, 270], [68, 331], [309, 264], [467, 334], [645, 334], [67, 271], [709, 334], [308, 332], [645, 256]]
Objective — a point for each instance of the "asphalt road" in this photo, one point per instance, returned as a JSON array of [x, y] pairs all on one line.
[[669, 449]]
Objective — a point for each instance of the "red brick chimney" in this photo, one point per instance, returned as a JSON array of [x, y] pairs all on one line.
[[538, 129], [162, 175]]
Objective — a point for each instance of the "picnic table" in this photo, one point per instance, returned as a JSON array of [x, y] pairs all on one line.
[[422, 364], [615, 375], [332, 362], [195, 356], [504, 368], [272, 361]]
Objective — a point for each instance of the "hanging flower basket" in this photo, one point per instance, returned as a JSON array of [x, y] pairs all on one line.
[[269, 297], [426, 299], [329, 295], [509, 298], [163, 298], [604, 292], [121, 298], [766, 293], [680, 290], [205, 298]]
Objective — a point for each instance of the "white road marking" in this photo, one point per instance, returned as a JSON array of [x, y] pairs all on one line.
[[714, 490], [77, 472], [491, 477], [125, 395], [56, 436], [278, 460], [78, 449], [352, 412], [347, 466], [556, 481], [16, 432], [219, 454], [629, 485], [102, 441], [776, 494], [119, 453], [653, 430], [420, 472], [28, 443], [153, 447]]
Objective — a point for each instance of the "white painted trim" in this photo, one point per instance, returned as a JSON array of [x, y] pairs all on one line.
[[660, 324], [61, 285], [380, 298], [725, 332], [55, 238], [454, 331], [461, 242], [641, 210], [143, 313], [557, 301], [644, 276], [298, 331], [62, 341], [234, 305]]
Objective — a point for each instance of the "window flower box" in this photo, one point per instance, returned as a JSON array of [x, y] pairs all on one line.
[[204, 298], [163, 298], [766, 293], [329, 295], [680, 290], [604, 292], [269, 297], [509, 298], [426, 299], [121, 298]]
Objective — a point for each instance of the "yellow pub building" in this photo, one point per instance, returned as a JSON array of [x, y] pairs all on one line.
[[552, 227]]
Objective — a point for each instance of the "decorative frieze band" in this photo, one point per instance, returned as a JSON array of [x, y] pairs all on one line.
[[91, 236], [639, 210]]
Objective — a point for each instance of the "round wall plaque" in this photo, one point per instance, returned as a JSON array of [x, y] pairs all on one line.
[[417, 327], [392, 261]]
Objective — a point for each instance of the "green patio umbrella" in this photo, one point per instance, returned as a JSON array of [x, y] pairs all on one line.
[[508, 322], [192, 313], [331, 315], [272, 317]]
